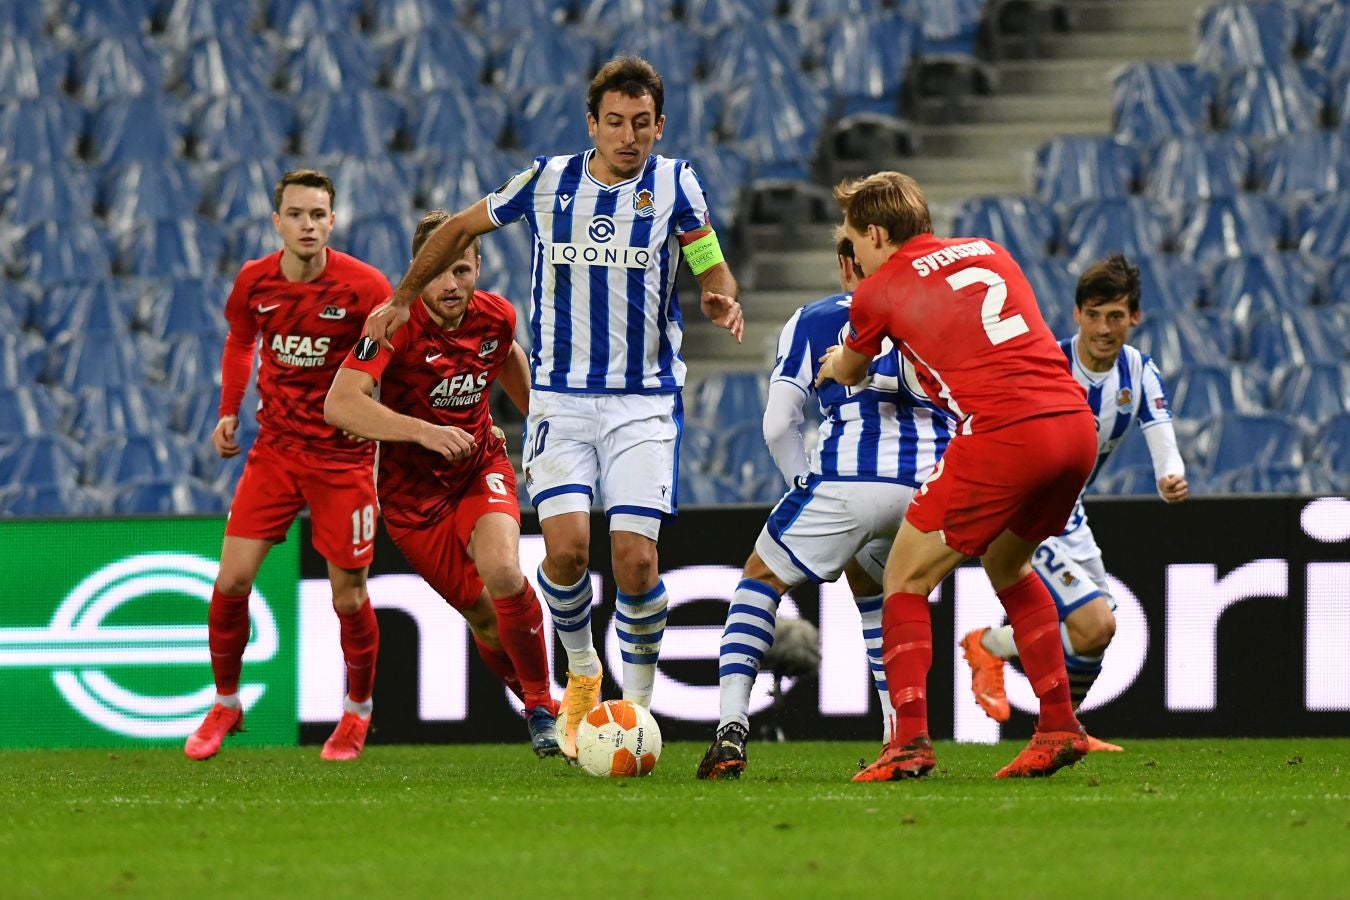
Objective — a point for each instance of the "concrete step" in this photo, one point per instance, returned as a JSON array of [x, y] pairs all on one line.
[[1124, 46], [945, 196], [705, 341], [1074, 110], [985, 141], [797, 271], [1136, 15], [1066, 77], [1010, 168]]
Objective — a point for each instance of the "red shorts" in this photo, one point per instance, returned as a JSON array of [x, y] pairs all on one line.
[[1024, 478], [439, 552], [276, 484]]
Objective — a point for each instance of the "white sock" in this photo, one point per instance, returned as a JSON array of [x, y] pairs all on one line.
[[361, 709], [752, 622], [869, 608], [999, 641], [640, 621], [230, 700], [570, 608]]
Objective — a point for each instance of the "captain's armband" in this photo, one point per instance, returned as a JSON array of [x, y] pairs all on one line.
[[703, 254]]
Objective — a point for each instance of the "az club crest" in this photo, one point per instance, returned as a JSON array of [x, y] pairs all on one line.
[[643, 204]]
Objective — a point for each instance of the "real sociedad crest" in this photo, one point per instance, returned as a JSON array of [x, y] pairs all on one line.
[[643, 203]]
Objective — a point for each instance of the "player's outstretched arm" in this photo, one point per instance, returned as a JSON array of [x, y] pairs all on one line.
[[351, 406], [719, 302], [515, 378], [1168, 466], [782, 425], [842, 364]]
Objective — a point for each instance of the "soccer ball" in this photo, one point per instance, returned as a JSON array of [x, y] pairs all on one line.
[[618, 739]]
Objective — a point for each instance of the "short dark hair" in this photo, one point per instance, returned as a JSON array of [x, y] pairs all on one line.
[[429, 223], [304, 178], [1109, 279], [843, 247], [631, 76]]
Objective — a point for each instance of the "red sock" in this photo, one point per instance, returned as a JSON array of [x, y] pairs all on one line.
[[360, 635], [500, 663], [227, 629], [907, 653], [1035, 623], [520, 625]]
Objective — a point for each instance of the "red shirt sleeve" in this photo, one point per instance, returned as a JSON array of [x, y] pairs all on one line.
[[370, 357], [866, 320], [236, 360]]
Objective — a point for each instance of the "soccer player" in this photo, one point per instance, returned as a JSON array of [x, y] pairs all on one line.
[[1123, 386], [605, 362], [308, 302], [447, 489], [962, 312], [878, 442]]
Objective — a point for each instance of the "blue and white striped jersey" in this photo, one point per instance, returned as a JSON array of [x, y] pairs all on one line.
[[1131, 391], [883, 429], [605, 318]]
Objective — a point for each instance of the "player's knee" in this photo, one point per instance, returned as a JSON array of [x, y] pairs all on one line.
[[756, 568], [349, 600], [567, 564], [502, 578], [635, 570], [1092, 634], [234, 584]]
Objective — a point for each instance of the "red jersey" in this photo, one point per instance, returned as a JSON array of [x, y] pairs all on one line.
[[307, 327], [442, 377], [962, 312]]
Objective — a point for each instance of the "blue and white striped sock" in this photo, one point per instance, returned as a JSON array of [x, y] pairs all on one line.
[[639, 622], [1082, 670], [869, 608], [752, 621], [570, 608]]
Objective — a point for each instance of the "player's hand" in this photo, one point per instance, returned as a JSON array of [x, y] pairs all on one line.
[[453, 443], [724, 312], [383, 321], [498, 433], [826, 372], [223, 436], [1173, 488]]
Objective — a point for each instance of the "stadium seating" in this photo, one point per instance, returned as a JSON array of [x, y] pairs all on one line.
[[349, 123], [1306, 164], [1055, 288], [1234, 442], [728, 398], [1021, 224], [39, 131], [1269, 101], [775, 122], [185, 21], [1182, 170], [134, 458], [432, 59], [47, 459], [1167, 284], [381, 241], [91, 19], [672, 47], [1234, 34], [31, 68], [218, 66], [1153, 101], [1075, 168], [549, 121], [1277, 337], [1227, 227], [865, 61], [45, 194], [147, 192], [117, 67], [1135, 226], [98, 412], [301, 19], [329, 61], [167, 497], [1176, 342], [1316, 393], [26, 411], [1202, 392], [175, 248], [1333, 439], [243, 126], [52, 252], [1324, 227], [1249, 285]]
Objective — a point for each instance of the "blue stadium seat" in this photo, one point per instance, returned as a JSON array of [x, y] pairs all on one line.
[[137, 458], [49, 193], [692, 115], [381, 185], [624, 15], [241, 191], [1021, 224], [1175, 342], [32, 68], [381, 241], [1329, 37], [1249, 285], [172, 248], [148, 191], [775, 121], [179, 497], [1332, 446], [1338, 282], [254, 126], [15, 302], [753, 50], [827, 12], [434, 59], [53, 252], [329, 61], [116, 67], [1235, 34], [1265, 102], [302, 19], [506, 21], [1200, 392], [361, 123], [192, 363], [725, 399], [1167, 284], [195, 414], [741, 455], [83, 307], [1227, 227], [98, 412], [1072, 168], [865, 61], [542, 57], [407, 17], [1339, 107], [135, 129], [1153, 101], [507, 258], [50, 500], [551, 121], [1311, 164], [22, 20], [715, 15], [40, 131], [47, 459], [181, 306], [94, 359], [1182, 170], [950, 27], [1278, 478], [21, 359], [186, 21], [1235, 441], [1315, 393], [1324, 227], [723, 172], [453, 183], [1297, 336], [674, 48], [1135, 226], [218, 66], [252, 239], [1054, 287], [27, 411], [1131, 481], [455, 123], [90, 19]]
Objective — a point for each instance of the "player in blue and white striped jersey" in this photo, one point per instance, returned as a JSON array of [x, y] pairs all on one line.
[[1123, 386], [878, 442], [605, 362]]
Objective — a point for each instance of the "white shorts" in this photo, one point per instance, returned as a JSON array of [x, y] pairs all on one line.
[[1071, 583], [624, 444], [815, 530]]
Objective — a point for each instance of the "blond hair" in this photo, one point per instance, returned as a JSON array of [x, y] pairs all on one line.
[[429, 223], [890, 200]]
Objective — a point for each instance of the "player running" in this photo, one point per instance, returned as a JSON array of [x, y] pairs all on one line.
[[605, 362], [878, 442], [1123, 386], [962, 312], [447, 488], [308, 302]]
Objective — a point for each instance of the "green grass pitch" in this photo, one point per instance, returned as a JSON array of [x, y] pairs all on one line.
[[1183, 818]]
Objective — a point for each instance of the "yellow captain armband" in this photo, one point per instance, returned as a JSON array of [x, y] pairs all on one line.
[[703, 253]]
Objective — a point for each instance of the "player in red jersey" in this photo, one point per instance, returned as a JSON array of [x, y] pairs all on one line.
[[447, 489], [308, 302], [962, 312]]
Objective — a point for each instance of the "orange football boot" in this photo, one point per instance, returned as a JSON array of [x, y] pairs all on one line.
[[1097, 745], [220, 721], [1046, 753], [986, 677], [914, 760], [348, 739]]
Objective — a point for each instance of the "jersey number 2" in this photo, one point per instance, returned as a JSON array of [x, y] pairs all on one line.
[[998, 330]]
